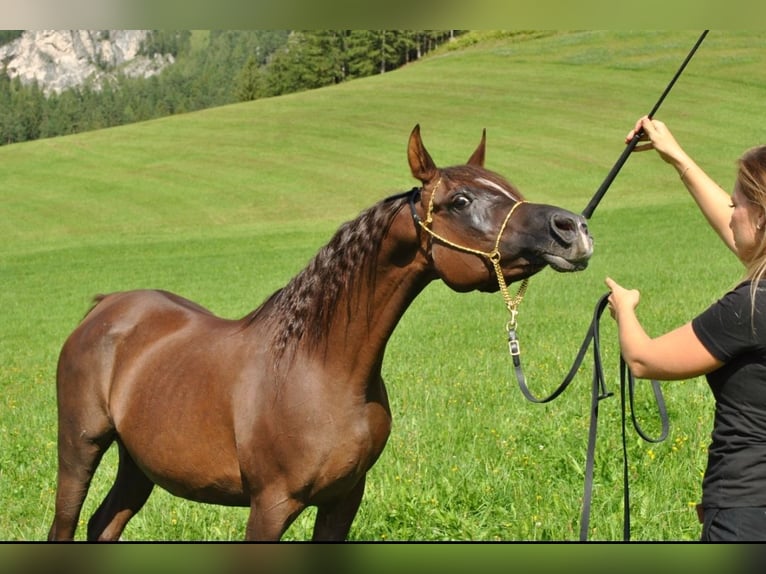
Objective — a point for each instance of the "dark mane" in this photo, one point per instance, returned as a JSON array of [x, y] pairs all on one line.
[[303, 307]]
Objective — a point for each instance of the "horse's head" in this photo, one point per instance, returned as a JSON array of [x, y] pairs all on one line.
[[473, 215]]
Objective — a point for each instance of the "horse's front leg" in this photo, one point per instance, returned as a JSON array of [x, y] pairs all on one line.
[[271, 513], [333, 520]]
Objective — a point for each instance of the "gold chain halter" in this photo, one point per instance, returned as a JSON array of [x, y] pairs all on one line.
[[494, 256]]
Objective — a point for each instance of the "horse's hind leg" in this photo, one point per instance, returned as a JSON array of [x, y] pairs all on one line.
[[78, 459], [130, 491], [85, 428]]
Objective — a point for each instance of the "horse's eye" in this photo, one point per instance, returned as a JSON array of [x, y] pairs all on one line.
[[461, 201]]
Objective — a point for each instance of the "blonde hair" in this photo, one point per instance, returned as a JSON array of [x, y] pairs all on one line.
[[751, 181]]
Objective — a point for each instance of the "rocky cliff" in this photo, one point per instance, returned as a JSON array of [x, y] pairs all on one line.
[[61, 59]]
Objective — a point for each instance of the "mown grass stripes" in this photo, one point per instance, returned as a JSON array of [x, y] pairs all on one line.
[[224, 206]]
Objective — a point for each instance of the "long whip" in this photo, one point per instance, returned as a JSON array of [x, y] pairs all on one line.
[[591, 207]]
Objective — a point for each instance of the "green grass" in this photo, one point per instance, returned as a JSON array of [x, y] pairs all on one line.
[[224, 206]]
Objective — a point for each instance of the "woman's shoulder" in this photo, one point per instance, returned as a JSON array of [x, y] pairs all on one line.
[[746, 288], [740, 289], [739, 299], [743, 296]]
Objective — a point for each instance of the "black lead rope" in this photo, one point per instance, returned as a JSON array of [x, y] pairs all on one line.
[[599, 392]]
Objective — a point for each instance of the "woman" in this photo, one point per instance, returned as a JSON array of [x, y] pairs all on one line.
[[727, 342]]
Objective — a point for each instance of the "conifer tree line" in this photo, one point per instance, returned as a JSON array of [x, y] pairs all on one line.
[[212, 68]]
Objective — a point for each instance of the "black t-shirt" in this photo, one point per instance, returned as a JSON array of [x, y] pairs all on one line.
[[736, 466]]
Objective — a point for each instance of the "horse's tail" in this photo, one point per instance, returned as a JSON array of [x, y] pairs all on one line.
[[94, 303]]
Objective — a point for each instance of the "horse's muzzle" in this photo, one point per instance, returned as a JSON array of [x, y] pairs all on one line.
[[574, 240]]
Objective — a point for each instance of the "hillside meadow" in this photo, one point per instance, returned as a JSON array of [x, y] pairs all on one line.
[[225, 205]]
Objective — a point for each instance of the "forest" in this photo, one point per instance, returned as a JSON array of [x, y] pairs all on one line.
[[212, 68]]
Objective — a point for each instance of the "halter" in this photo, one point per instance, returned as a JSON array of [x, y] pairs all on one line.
[[494, 256]]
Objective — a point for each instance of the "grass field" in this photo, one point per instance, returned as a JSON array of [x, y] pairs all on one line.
[[224, 206]]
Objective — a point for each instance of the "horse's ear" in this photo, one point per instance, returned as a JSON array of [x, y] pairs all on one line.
[[421, 164], [477, 158]]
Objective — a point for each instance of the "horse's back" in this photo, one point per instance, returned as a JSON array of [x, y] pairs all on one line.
[[126, 330], [116, 332], [129, 308]]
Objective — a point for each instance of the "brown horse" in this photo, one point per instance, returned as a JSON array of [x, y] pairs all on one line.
[[285, 408]]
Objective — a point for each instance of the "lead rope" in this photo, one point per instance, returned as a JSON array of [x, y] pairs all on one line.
[[599, 392]]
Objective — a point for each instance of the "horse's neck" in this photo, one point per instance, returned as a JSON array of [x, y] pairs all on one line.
[[363, 324]]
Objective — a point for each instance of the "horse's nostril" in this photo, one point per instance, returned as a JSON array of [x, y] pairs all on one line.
[[566, 228], [564, 224]]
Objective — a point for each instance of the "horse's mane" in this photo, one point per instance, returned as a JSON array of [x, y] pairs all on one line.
[[302, 309]]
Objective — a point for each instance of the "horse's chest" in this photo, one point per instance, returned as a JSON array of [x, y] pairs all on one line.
[[360, 437], [348, 450]]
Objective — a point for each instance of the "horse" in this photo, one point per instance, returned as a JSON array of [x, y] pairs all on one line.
[[286, 407]]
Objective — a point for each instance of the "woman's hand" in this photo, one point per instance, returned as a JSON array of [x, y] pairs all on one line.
[[621, 299], [678, 354], [661, 139]]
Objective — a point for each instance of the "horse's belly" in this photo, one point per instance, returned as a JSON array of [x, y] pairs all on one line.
[[183, 440], [202, 474], [222, 492]]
